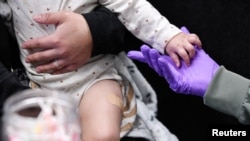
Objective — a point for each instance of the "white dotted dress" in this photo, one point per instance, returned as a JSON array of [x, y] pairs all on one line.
[[140, 18]]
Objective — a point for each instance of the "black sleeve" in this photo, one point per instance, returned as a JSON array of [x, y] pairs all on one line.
[[9, 84], [107, 31], [9, 52]]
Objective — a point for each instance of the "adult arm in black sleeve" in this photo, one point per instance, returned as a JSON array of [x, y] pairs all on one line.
[[9, 84], [108, 33]]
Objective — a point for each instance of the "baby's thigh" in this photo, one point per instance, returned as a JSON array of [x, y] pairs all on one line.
[[101, 109]]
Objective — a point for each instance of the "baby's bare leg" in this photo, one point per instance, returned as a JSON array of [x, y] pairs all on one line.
[[100, 112]]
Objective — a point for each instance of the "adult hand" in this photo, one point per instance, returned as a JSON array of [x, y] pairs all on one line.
[[148, 56], [192, 80], [68, 48]]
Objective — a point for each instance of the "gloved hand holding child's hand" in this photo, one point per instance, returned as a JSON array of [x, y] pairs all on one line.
[[192, 80]]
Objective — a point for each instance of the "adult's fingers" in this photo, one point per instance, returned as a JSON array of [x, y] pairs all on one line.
[[136, 55], [51, 66], [172, 74], [145, 51], [65, 69], [45, 42], [41, 56], [50, 17], [169, 70], [155, 55]]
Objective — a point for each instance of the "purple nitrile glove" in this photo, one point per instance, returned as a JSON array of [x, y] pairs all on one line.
[[147, 55], [189, 80], [192, 80]]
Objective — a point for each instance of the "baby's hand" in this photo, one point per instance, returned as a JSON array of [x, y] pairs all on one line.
[[182, 46]]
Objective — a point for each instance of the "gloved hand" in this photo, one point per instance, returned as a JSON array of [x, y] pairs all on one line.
[[189, 80], [192, 80], [148, 56]]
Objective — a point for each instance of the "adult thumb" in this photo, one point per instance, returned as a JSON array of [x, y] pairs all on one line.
[[48, 18]]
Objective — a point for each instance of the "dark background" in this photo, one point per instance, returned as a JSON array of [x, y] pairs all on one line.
[[223, 27]]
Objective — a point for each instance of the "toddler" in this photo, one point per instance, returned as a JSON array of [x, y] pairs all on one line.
[[104, 87]]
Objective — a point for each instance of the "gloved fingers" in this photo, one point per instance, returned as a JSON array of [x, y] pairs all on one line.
[[172, 74], [184, 29], [136, 55], [145, 51], [155, 55], [169, 70]]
